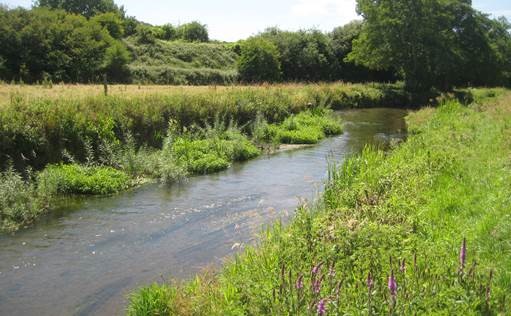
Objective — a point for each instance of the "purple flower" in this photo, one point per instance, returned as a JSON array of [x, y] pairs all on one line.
[[321, 308], [316, 286], [370, 281], [331, 271], [316, 269], [463, 254], [392, 284], [299, 282]]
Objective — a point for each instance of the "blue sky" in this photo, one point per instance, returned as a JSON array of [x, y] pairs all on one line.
[[236, 19]]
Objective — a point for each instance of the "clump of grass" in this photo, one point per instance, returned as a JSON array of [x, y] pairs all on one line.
[[307, 127], [422, 228], [21, 202], [77, 179], [152, 300]]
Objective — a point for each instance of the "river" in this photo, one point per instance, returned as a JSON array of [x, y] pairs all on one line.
[[85, 258]]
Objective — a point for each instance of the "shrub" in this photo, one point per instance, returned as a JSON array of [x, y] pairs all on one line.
[[76, 179], [193, 32], [20, 201], [259, 61]]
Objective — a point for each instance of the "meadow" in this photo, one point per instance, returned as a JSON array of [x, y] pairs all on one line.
[[423, 229]]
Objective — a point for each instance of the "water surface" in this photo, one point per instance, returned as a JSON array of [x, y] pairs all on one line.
[[87, 257]]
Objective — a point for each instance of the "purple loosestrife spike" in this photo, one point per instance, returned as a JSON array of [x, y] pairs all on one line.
[[299, 282], [331, 272], [463, 254], [392, 284], [370, 281], [316, 286], [316, 269], [321, 308]]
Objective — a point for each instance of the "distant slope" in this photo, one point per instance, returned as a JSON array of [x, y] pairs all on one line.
[[182, 63]]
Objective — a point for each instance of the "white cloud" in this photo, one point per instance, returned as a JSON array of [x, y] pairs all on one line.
[[345, 9]]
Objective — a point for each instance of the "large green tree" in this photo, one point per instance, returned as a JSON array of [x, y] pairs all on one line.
[[432, 43], [87, 8], [259, 61]]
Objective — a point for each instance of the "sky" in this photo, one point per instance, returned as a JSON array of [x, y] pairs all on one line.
[[230, 20]]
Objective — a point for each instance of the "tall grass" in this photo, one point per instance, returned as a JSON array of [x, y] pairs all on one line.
[[422, 230], [35, 131]]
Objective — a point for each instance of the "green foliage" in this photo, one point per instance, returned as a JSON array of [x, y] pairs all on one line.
[[169, 32], [36, 131], [115, 63], [404, 214], [432, 43], [259, 61], [42, 43], [112, 22], [152, 300], [182, 63], [76, 179], [212, 149], [193, 32], [147, 34], [304, 128], [20, 201], [87, 8]]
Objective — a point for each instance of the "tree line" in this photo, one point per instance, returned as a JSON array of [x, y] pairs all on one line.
[[426, 43]]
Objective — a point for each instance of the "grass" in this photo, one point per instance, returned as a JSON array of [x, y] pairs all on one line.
[[38, 125], [84, 180], [182, 63], [387, 236]]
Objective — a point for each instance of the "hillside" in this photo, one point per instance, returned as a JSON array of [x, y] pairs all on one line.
[[177, 62]]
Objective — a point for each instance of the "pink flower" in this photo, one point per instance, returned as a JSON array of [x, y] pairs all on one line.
[[321, 308], [370, 281], [392, 284], [463, 254], [299, 282]]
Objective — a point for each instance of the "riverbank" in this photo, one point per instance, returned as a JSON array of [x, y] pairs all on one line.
[[422, 229], [70, 139], [186, 151]]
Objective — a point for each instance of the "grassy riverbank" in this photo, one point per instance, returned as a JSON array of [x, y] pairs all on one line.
[[388, 234], [186, 150]]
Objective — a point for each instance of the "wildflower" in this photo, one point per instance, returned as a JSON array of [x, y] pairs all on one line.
[[316, 269], [370, 281], [463, 254], [299, 282], [321, 308], [402, 266], [316, 286], [392, 284]]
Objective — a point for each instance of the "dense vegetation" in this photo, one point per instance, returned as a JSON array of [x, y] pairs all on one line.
[[428, 44], [98, 145], [423, 230]]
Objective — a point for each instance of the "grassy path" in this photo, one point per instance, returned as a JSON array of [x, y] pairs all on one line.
[[425, 229]]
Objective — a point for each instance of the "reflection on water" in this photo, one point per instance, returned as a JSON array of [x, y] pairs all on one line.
[[86, 257]]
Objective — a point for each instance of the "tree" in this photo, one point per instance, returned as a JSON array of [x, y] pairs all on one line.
[[115, 62], [305, 55], [87, 8], [432, 43], [112, 22], [259, 61], [193, 32], [169, 32]]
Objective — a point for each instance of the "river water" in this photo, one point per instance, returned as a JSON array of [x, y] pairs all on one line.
[[85, 258]]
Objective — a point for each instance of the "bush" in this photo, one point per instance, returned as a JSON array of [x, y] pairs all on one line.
[[76, 179], [259, 61], [193, 32], [20, 201]]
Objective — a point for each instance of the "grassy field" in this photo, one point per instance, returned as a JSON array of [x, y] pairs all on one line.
[[179, 62], [424, 229]]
